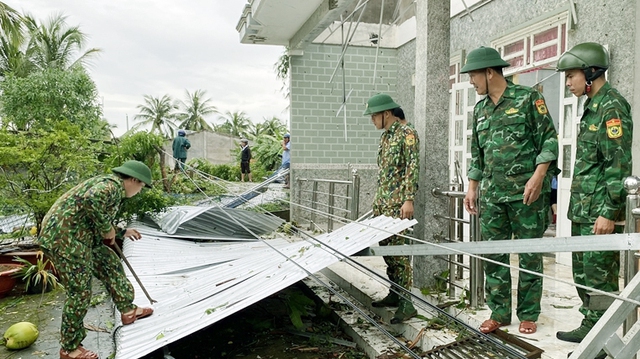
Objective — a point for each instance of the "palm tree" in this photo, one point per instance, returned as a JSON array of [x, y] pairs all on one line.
[[194, 111], [55, 44], [159, 113], [274, 127], [13, 43], [235, 123]]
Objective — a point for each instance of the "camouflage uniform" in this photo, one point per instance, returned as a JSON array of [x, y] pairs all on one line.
[[71, 237], [603, 161], [398, 168], [509, 140]]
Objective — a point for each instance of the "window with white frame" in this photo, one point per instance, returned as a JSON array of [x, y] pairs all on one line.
[[534, 46]]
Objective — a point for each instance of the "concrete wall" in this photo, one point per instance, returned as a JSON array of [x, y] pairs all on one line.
[[318, 145], [214, 147]]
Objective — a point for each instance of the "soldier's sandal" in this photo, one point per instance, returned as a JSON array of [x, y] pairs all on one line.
[[491, 325], [84, 354], [130, 318]]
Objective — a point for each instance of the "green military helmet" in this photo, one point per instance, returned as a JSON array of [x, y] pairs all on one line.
[[135, 169], [483, 58], [585, 56], [378, 103]]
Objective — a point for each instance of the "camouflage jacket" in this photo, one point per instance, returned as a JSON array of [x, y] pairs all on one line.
[[398, 169], [603, 158], [78, 219], [508, 141]]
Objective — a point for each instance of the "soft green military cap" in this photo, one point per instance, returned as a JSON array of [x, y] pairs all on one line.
[[378, 103], [483, 58], [135, 169]]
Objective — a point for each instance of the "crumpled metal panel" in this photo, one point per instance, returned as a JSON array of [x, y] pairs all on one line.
[[198, 284], [216, 221], [8, 223]]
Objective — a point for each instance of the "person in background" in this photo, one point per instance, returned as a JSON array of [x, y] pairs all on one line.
[[514, 149], [603, 161], [180, 146], [286, 157], [554, 199], [245, 159], [398, 174], [72, 237]]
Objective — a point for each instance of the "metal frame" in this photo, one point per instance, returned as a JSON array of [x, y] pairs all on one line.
[[351, 197]]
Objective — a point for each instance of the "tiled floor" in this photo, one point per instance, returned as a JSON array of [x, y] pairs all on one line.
[[559, 303]]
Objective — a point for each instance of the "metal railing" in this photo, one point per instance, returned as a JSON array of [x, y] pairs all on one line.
[[457, 225], [322, 193]]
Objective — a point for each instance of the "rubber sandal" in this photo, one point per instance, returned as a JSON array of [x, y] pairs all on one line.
[[130, 318], [84, 354], [491, 325], [528, 327]]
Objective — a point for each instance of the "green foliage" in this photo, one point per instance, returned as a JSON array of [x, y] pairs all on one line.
[[159, 113], [149, 200], [196, 185], [194, 110], [37, 274], [267, 152], [141, 146], [39, 166], [225, 172], [44, 98], [298, 304]]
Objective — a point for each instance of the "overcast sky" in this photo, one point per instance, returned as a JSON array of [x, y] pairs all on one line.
[[157, 47]]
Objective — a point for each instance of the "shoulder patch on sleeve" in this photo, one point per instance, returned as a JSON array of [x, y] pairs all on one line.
[[541, 106], [410, 139], [614, 128]]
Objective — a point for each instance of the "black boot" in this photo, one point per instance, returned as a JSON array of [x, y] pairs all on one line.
[[391, 300], [576, 335], [601, 355], [405, 311]]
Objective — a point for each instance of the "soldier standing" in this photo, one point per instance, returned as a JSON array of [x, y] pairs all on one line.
[[514, 148], [398, 168], [603, 161], [72, 238]]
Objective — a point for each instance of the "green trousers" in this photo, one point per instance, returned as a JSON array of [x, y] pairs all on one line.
[[76, 278], [504, 221], [597, 270], [399, 268]]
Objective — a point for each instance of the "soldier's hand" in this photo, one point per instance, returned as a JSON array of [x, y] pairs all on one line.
[[603, 226], [532, 189], [406, 211], [470, 202], [132, 234], [110, 236]]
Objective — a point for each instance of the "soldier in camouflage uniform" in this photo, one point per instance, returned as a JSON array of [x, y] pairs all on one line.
[[514, 148], [72, 237], [398, 167], [603, 161]]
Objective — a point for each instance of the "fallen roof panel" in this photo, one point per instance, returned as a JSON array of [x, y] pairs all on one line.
[[197, 284], [216, 221]]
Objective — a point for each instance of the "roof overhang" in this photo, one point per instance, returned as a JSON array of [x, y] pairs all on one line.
[[287, 23]]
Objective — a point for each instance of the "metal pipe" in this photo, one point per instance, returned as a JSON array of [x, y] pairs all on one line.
[[332, 189], [456, 194], [355, 201], [454, 219], [631, 184], [126, 261]]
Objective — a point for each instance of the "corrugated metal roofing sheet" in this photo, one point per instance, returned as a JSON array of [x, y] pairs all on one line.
[[216, 221], [198, 284]]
